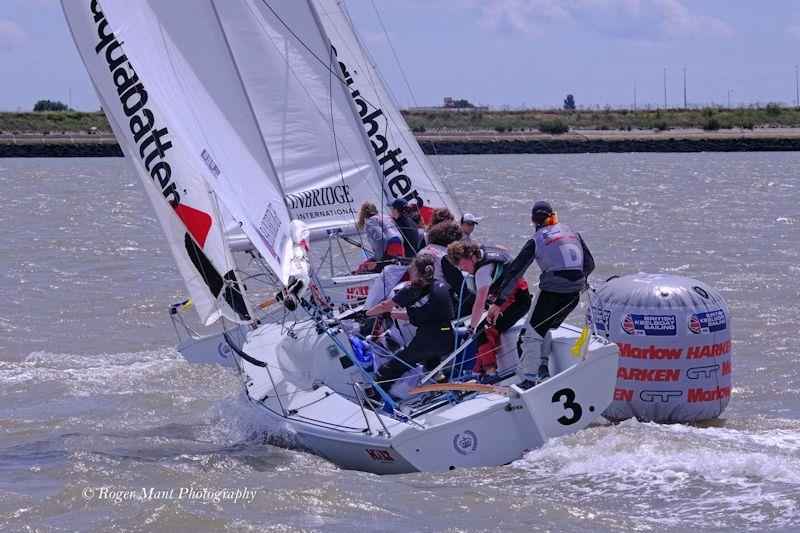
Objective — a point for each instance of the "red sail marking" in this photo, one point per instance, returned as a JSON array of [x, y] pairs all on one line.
[[426, 213], [197, 222]]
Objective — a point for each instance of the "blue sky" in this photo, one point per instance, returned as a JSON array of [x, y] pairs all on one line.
[[499, 52]]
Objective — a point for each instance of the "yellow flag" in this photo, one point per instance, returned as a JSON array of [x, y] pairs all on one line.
[[576, 348]]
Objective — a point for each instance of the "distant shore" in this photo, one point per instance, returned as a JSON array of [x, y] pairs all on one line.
[[474, 142], [77, 134]]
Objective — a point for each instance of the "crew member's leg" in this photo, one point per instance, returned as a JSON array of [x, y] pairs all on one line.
[[515, 307], [426, 345], [549, 310]]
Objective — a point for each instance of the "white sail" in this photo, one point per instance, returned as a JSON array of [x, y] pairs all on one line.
[[407, 171], [179, 46], [323, 159], [150, 135]]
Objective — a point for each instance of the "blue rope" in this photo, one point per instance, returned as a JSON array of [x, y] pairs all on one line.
[[456, 336], [374, 345], [388, 399]]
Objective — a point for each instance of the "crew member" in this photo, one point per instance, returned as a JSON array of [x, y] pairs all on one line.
[[408, 228], [468, 223], [439, 215], [439, 237], [384, 237], [565, 262], [488, 264], [427, 306]]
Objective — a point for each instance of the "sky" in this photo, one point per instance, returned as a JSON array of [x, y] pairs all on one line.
[[498, 53]]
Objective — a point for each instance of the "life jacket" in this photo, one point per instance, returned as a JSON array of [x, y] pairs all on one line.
[[438, 253], [499, 257], [432, 309], [559, 255], [381, 231]]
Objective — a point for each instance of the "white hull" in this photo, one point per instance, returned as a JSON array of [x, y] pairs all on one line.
[[307, 389]]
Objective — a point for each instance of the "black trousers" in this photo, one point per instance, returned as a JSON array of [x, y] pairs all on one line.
[[429, 345], [551, 309]]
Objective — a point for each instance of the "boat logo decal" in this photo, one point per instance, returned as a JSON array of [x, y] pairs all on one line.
[[224, 350], [465, 442], [382, 456]]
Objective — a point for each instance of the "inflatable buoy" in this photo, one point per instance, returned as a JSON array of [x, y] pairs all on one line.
[[674, 337]]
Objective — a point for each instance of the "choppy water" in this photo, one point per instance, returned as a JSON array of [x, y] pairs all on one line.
[[94, 394]]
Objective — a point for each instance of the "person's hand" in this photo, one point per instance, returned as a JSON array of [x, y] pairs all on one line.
[[492, 314]]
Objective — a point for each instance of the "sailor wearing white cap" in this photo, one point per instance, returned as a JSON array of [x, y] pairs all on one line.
[[468, 223]]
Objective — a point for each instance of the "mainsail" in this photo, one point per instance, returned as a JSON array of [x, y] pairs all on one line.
[[407, 171], [183, 118]]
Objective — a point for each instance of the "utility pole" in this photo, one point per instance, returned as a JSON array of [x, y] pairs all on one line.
[[729, 98], [634, 91], [665, 88], [797, 85], [684, 88], [70, 98]]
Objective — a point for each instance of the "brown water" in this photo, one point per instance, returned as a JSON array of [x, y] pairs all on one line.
[[97, 402]]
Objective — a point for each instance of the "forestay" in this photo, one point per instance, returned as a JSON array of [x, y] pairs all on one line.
[[155, 116], [407, 171]]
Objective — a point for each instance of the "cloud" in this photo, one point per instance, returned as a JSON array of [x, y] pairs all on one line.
[[11, 35], [643, 21]]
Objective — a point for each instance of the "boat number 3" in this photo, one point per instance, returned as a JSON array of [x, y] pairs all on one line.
[[569, 403]]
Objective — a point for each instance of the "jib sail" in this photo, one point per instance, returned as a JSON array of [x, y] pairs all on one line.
[[406, 170], [323, 159]]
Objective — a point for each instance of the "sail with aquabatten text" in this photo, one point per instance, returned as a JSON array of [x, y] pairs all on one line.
[[406, 170], [188, 128]]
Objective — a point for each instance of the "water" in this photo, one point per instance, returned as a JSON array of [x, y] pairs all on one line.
[[95, 395]]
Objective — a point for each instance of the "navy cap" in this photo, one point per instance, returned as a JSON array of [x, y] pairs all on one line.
[[400, 204], [541, 207]]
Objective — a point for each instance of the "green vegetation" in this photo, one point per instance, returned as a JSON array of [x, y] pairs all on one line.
[[49, 105], [553, 122], [569, 103], [771, 116], [54, 122]]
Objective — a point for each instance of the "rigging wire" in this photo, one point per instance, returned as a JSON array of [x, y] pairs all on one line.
[[394, 53]]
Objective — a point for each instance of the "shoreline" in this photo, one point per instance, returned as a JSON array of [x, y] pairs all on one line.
[[476, 142]]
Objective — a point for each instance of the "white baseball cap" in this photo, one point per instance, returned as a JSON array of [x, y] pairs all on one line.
[[469, 217]]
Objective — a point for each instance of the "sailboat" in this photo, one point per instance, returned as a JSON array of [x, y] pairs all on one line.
[[407, 173], [234, 114]]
